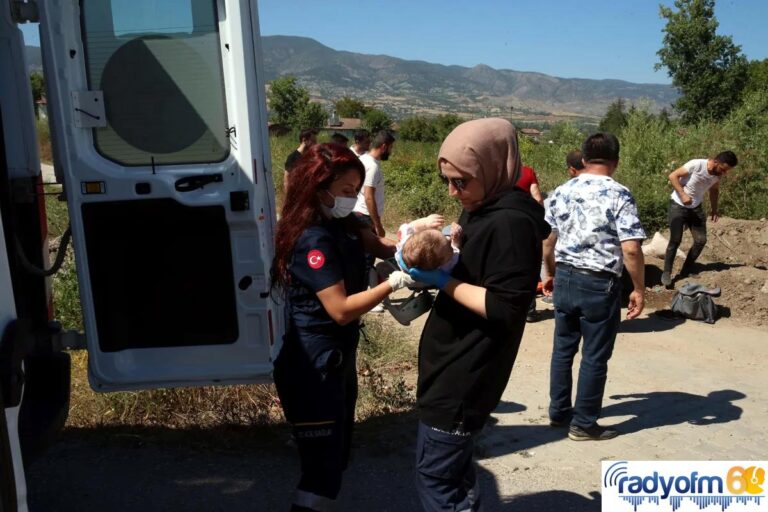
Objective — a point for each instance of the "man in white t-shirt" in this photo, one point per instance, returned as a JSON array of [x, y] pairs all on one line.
[[370, 200], [362, 142], [691, 182]]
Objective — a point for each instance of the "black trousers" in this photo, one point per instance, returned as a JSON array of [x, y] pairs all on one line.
[[679, 218], [320, 406]]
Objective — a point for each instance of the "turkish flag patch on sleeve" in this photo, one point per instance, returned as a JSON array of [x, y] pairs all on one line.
[[316, 259]]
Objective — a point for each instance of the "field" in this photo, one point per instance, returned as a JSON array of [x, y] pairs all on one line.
[[650, 150]]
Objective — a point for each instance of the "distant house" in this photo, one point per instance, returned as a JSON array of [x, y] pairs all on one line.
[[344, 125], [532, 133]]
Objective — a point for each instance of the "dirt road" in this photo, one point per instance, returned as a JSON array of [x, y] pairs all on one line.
[[677, 391]]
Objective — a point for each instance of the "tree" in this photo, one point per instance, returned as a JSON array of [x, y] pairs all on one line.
[[287, 99], [757, 76], [376, 120], [350, 107], [615, 118], [37, 82], [444, 124], [313, 115], [418, 129], [708, 69]]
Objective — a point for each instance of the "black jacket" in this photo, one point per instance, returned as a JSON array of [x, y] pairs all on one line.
[[465, 360]]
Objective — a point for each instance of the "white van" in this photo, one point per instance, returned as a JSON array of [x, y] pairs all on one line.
[[159, 132]]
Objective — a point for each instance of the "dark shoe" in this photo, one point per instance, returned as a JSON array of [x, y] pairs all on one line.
[[666, 279], [559, 423], [533, 316], [593, 433]]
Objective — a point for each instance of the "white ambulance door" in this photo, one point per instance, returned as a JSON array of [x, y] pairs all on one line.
[[159, 119]]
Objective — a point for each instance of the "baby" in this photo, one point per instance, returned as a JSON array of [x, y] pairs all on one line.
[[421, 245]]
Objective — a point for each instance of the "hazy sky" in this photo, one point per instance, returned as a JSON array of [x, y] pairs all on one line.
[[567, 38]]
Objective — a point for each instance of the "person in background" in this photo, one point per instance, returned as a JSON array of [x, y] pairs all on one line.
[[340, 139], [596, 233], [307, 139], [471, 338], [574, 163], [370, 201], [362, 142], [529, 182], [690, 183], [320, 268]]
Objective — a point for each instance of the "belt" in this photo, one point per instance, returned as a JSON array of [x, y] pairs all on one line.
[[604, 274]]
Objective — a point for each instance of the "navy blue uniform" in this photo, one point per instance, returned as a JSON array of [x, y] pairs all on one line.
[[316, 373]]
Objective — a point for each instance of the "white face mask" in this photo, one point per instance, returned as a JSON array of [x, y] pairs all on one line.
[[342, 206]]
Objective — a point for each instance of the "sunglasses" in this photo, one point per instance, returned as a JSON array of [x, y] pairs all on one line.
[[459, 183]]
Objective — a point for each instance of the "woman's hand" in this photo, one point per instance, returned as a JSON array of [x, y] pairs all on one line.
[[438, 278]]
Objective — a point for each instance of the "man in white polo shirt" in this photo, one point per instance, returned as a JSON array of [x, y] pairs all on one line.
[[691, 182]]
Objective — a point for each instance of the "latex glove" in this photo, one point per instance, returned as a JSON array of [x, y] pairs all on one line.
[[438, 278], [399, 279]]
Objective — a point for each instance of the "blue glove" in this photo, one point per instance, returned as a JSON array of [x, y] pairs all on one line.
[[438, 278]]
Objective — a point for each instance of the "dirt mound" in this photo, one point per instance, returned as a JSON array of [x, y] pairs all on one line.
[[735, 259]]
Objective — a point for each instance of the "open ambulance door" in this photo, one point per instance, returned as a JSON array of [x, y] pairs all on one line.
[[159, 123]]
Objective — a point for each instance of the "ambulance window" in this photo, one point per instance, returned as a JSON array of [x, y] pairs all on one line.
[[158, 63]]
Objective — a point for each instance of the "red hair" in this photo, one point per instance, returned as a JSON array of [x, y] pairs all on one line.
[[317, 168]]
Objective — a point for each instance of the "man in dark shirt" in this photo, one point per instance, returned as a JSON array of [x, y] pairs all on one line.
[[307, 139]]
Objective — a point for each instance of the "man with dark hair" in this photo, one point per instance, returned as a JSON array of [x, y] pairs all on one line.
[[691, 182], [307, 139], [596, 233], [340, 139], [362, 142], [370, 200], [574, 162]]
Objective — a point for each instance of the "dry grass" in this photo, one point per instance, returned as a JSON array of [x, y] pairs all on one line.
[[384, 361]]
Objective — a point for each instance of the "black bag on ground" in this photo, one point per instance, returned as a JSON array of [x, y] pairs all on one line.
[[694, 301]]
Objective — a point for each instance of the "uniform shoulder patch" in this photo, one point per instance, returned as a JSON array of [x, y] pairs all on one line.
[[316, 259]]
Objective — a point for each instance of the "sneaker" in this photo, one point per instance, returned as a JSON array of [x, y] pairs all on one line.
[[593, 433], [559, 423], [378, 308], [666, 279], [547, 300]]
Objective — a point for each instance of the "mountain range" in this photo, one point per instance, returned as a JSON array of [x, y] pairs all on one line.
[[406, 87]]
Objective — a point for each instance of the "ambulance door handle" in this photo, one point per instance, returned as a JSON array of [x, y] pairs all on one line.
[[190, 183]]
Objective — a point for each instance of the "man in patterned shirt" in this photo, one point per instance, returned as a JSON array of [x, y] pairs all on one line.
[[595, 234]]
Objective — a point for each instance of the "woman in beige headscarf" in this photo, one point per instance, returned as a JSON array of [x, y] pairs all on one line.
[[472, 335]]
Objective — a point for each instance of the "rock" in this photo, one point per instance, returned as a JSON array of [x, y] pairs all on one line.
[[658, 247], [748, 281], [764, 289], [733, 232]]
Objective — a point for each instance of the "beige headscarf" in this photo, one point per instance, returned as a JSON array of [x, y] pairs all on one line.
[[486, 149]]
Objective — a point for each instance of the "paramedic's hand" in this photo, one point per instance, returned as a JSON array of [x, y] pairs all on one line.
[[399, 279], [548, 286], [438, 278], [636, 304]]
